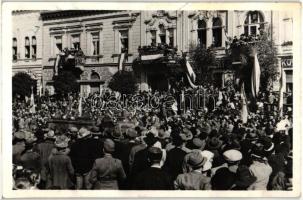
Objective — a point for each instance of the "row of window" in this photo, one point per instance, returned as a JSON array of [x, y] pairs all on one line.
[[253, 22], [216, 29], [94, 48], [30, 48]]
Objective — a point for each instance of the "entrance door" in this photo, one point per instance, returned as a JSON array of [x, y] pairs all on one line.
[[158, 82]]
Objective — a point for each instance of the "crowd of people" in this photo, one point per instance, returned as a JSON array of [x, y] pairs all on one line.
[[144, 147]]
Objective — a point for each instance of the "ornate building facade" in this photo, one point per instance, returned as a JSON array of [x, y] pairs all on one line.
[[104, 35]]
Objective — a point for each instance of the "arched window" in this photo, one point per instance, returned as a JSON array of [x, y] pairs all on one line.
[[162, 34], [34, 47], [217, 32], [27, 47], [15, 49], [201, 33], [253, 23], [95, 86], [95, 76]]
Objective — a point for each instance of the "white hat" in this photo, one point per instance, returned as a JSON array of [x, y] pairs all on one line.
[[232, 155], [207, 154], [207, 166], [83, 132], [50, 134]]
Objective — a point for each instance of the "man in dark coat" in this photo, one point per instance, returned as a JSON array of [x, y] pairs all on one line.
[[83, 154], [141, 162], [107, 172], [153, 178], [174, 160], [45, 149], [126, 147]]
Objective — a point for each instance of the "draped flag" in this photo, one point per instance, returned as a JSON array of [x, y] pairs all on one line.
[[244, 110], [281, 92], [80, 107], [41, 86], [57, 62], [191, 83], [182, 103], [121, 61], [255, 77], [175, 107], [32, 103], [151, 57], [190, 71]]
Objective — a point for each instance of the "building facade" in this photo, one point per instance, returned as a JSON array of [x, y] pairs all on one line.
[[104, 35], [27, 44]]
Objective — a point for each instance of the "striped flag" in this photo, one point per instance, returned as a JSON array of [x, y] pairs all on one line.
[[121, 61], [41, 86], [182, 103], [190, 71], [244, 110], [255, 77], [32, 103], [191, 83], [282, 88], [57, 62], [80, 107]]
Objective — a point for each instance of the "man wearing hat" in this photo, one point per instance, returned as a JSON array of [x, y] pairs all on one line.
[[31, 159], [214, 144], [131, 135], [244, 178], [175, 157], [232, 158], [60, 166], [196, 145], [260, 169], [18, 146], [45, 149], [153, 178], [73, 133], [140, 161], [194, 179], [83, 154], [223, 179], [107, 172]]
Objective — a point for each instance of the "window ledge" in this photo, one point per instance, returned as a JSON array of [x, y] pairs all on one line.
[[94, 56], [27, 59], [118, 54], [218, 48]]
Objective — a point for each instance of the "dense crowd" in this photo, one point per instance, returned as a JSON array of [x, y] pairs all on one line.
[[150, 145]]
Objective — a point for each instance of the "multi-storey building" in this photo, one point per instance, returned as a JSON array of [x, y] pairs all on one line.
[[104, 35], [27, 44]]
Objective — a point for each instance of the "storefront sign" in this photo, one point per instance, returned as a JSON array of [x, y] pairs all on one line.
[[286, 62]]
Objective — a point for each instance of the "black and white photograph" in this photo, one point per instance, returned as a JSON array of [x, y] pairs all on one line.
[[154, 100]]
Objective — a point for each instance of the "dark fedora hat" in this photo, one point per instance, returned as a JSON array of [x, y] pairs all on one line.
[[150, 139], [154, 154], [95, 130], [214, 143]]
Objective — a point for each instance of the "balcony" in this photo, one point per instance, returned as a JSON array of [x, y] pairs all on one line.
[[286, 47], [219, 51], [93, 59]]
